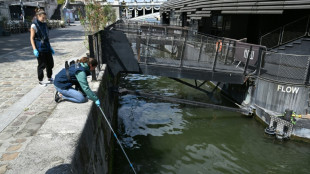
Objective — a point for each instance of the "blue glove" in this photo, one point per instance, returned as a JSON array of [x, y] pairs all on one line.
[[36, 52], [98, 103], [53, 52]]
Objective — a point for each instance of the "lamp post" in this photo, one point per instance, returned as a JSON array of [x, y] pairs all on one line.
[[123, 8], [22, 9]]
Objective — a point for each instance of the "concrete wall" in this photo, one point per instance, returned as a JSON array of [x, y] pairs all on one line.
[[94, 153], [4, 11], [278, 97]]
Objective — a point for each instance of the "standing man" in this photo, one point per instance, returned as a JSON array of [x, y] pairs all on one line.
[[41, 46]]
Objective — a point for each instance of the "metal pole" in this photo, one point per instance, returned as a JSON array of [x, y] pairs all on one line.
[[91, 45], [22, 9], [133, 169], [308, 27], [308, 73], [281, 36], [227, 53], [201, 46], [98, 52], [259, 62], [216, 54], [172, 44], [91, 53], [183, 52], [147, 47], [247, 61], [139, 47]]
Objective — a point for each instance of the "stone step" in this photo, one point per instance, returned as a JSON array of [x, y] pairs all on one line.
[[281, 48], [306, 39]]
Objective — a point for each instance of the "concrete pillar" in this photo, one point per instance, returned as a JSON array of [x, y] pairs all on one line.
[[143, 11], [126, 14], [136, 13], [152, 10]]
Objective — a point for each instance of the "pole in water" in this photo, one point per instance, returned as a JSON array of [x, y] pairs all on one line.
[[117, 140]]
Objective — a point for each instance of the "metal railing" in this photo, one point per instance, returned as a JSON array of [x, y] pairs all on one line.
[[95, 50], [286, 68], [287, 33], [181, 47]]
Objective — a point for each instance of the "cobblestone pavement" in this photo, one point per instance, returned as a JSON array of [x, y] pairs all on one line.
[[18, 69], [15, 137], [17, 77]]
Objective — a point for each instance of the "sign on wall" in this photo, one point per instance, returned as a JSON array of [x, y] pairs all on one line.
[[288, 89], [243, 50]]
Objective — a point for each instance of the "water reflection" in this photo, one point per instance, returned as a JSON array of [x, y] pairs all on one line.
[[170, 138]]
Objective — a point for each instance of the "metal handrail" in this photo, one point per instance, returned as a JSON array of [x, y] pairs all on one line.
[[282, 30], [268, 33]]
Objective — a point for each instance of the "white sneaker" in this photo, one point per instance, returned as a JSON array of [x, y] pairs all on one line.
[[42, 83], [50, 79]]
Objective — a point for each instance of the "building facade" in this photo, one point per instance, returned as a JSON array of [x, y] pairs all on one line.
[[11, 9], [134, 8], [234, 18]]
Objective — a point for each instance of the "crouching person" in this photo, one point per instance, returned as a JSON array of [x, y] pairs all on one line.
[[76, 74]]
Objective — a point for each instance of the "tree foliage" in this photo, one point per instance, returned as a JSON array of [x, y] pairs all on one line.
[[63, 1], [97, 17]]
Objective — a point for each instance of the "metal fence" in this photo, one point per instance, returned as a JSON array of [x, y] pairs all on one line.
[[177, 46], [287, 33], [95, 50], [286, 68]]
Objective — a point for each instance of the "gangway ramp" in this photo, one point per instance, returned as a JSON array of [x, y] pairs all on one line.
[[179, 53]]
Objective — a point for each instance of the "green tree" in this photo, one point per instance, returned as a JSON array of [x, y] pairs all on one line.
[[97, 17], [63, 1]]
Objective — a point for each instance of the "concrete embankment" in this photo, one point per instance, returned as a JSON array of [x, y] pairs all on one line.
[[74, 138], [37, 135]]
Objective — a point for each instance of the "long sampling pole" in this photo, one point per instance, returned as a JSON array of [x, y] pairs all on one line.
[[117, 139]]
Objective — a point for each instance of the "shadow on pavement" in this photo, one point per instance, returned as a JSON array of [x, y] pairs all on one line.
[[22, 40], [61, 169]]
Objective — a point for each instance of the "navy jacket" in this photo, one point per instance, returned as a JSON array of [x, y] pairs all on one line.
[[61, 80], [41, 37]]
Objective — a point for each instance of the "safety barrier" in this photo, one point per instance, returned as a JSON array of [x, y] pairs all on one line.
[[95, 50], [286, 68], [179, 46], [287, 33]]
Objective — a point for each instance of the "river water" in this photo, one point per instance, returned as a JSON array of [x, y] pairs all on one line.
[[170, 138]]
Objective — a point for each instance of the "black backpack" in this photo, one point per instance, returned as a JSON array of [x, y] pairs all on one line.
[[76, 84]]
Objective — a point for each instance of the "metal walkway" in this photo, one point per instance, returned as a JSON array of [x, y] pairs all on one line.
[[177, 52]]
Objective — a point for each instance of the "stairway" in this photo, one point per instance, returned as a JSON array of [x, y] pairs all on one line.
[[292, 38], [57, 13], [299, 47]]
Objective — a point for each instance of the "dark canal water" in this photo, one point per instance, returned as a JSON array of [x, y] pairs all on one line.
[[169, 138]]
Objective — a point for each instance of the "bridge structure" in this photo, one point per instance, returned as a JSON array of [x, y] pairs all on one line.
[[175, 52], [135, 8]]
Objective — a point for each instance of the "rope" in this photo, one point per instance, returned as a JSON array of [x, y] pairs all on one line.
[[117, 139]]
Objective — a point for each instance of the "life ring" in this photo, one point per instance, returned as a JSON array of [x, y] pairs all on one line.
[[218, 46]]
